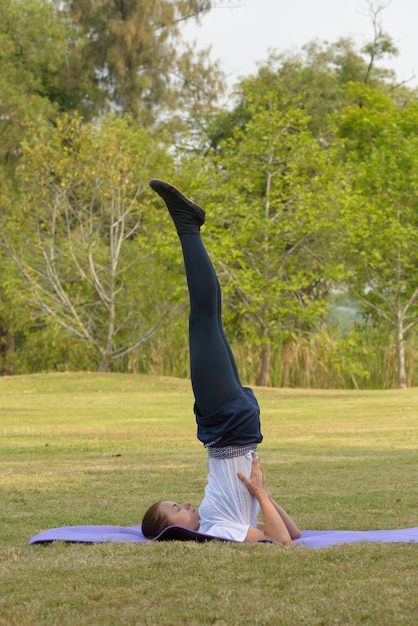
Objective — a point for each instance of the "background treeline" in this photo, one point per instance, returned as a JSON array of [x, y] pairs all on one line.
[[308, 172]]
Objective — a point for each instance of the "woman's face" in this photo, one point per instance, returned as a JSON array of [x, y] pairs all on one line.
[[181, 514]]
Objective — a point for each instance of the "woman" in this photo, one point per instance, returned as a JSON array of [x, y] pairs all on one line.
[[227, 414]]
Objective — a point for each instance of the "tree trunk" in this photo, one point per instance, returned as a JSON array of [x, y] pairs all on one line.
[[7, 348], [104, 362], [400, 346], [263, 377]]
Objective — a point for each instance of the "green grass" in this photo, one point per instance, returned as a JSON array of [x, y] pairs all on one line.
[[98, 449]]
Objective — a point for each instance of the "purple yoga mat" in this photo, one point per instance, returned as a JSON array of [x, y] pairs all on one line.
[[309, 538]]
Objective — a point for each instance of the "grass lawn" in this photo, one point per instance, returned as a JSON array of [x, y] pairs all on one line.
[[99, 449]]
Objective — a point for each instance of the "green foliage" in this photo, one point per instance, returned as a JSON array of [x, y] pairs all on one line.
[[14, 318], [309, 180], [38, 48], [84, 237], [48, 348], [380, 229], [363, 357], [135, 55], [314, 78], [277, 183]]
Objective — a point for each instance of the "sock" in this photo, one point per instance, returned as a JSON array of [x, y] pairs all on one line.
[[187, 216]]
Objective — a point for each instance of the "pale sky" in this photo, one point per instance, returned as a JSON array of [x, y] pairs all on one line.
[[242, 36]]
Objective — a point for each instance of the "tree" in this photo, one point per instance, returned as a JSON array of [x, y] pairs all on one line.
[[381, 228], [137, 59], [382, 43], [39, 76], [45, 53], [83, 238], [316, 75], [8, 317], [274, 229], [316, 80]]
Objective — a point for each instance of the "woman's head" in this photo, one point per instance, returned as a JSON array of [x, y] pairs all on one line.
[[154, 521], [163, 514]]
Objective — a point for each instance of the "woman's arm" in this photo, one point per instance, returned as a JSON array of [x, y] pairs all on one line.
[[292, 528], [274, 526]]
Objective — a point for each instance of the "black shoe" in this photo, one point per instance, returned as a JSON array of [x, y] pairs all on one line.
[[187, 216]]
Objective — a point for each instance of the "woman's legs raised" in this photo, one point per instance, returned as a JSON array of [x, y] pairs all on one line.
[[212, 366], [213, 370]]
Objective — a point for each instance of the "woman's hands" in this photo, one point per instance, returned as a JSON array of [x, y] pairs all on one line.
[[255, 483], [278, 525]]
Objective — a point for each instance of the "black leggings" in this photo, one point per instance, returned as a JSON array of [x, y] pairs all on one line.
[[213, 371]]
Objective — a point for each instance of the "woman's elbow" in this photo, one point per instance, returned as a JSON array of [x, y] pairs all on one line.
[[284, 538], [285, 542]]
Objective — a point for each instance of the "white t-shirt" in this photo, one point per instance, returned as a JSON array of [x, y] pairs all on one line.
[[228, 509]]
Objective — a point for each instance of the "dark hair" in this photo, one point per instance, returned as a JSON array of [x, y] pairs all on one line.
[[154, 522]]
